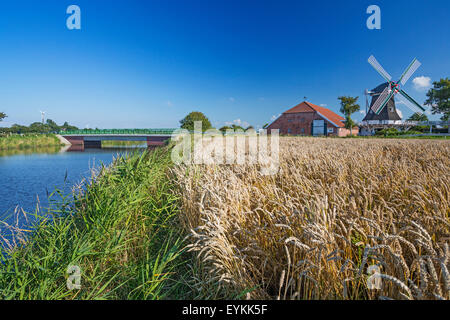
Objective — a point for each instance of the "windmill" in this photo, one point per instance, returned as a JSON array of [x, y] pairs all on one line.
[[42, 116], [382, 106]]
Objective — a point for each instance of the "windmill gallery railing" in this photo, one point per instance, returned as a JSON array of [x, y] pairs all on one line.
[[369, 127], [404, 123], [118, 132]]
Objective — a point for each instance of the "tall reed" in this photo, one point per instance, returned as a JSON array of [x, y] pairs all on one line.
[[120, 229]]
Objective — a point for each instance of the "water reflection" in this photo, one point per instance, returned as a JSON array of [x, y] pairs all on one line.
[[48, 150], [28, 176], [72, 148]]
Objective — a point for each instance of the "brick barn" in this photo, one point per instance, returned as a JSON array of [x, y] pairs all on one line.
[[309, 119]]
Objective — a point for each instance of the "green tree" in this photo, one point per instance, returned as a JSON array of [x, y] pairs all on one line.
[[38, 127], [225, 128], [2, 116], [418, 117], [236, 127], [348, 107], [52, 125], [17, 128], [188, 121], [250, 128], [66, 126], [439, 98]]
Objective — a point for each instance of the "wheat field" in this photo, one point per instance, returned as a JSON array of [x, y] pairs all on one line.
[[316, 229]]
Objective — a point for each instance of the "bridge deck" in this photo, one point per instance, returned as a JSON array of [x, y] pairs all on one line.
[[139, 132], [116, 137], [92, 138]]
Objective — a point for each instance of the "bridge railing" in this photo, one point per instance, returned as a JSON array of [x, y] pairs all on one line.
[[117, 131]]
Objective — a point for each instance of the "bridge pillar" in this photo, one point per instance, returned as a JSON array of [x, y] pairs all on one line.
[[76, 142], [92, 144], [156, 141]]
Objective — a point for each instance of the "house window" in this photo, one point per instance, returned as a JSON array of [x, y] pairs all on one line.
[[303, 130], [289, 130]]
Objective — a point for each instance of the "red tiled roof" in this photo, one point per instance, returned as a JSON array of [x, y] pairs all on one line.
[[324, 112], [302, 107]]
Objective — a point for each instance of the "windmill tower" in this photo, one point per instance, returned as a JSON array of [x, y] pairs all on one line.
[[382, 108], [388, 113]]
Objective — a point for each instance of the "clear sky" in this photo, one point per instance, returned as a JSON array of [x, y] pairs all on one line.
[[146, 64]]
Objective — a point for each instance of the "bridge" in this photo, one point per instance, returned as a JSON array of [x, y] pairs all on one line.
[[89, 138]]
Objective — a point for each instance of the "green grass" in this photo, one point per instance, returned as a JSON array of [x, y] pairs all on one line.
[[121, 231], [420, 137], [28, 141], [396, 137], [16, 151], [112, 143]]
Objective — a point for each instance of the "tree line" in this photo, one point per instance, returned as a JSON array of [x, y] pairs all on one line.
[[49, 126]]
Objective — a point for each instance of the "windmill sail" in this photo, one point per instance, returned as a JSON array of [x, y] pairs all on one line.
[[414, 102], [412, 107], [377, 66], [409, 71], [385, 102], [381, 98]]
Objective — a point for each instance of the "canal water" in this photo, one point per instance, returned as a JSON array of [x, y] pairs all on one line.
[[27, 178]]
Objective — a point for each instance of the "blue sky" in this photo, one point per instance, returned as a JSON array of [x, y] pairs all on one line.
[[146, 64]]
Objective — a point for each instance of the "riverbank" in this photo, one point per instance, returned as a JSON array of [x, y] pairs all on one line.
[[28, 141], [121, 233]]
